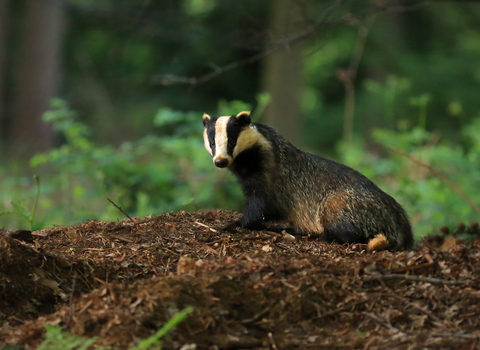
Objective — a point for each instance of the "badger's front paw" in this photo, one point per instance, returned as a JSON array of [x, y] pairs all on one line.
[[231, 226]]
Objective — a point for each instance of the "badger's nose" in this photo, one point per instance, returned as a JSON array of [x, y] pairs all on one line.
[[221, 162]]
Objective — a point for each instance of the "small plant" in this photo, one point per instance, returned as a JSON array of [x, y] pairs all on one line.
[[154, 340], [55, 339], [22, 211], [165, 171]]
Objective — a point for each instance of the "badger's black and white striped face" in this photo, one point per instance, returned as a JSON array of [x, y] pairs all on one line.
[[226, 137]]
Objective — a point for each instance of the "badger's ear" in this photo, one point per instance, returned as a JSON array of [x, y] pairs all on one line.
[[206, 118], [244, 118]]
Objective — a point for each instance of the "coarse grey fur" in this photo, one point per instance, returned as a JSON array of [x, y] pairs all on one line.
[[316, 195]]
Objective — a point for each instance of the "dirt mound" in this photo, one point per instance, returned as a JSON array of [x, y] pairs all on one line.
[[121, 281]]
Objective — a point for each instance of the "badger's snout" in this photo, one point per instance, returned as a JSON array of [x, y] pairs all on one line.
[[221, 162]]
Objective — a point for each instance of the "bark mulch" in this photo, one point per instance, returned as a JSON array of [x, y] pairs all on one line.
[[121, 281]]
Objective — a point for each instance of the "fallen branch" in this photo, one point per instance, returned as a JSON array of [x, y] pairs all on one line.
[[412, 278], [439, 174], [116, 206], [414, 267]]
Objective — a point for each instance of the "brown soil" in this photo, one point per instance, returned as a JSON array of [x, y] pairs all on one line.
[[121, 281]]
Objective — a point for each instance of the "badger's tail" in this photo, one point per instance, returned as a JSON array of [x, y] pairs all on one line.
[[379, 242]]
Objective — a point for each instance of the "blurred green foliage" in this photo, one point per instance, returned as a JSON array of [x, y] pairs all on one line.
[[21, 210], [56, 339], [429, 202], [417, 88], [166, 171], [172, 171]]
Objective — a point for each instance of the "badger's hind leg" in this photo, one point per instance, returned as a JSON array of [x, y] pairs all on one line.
[[343, 232]]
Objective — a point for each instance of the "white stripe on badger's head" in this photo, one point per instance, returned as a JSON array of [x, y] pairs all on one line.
[[226, 137], [206, 121], [221, 141]]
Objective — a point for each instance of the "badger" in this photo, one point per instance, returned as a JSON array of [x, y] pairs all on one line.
[[317, 196]]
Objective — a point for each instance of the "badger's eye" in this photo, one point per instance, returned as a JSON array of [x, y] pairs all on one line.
[[212, 143]]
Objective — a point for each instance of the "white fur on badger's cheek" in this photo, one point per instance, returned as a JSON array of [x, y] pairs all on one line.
[[207, 142], [221, 140], [249, 138]]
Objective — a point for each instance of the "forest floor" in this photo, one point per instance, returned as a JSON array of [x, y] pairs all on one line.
[[121, 281]]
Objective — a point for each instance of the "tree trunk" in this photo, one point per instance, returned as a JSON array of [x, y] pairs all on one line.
[[4, 25], [36, 76], [283, 73]]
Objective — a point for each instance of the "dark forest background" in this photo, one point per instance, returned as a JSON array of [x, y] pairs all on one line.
[[103, 99]]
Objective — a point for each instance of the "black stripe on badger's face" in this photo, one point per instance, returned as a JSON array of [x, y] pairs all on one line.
[[226, 137], [209, 133], [233, 130]]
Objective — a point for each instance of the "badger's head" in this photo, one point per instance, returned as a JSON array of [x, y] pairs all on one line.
[[226, 137]]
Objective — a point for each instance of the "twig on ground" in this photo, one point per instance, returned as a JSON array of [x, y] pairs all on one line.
[[250, 239], [457, 335], [116, 206], [418, 307], [438, 174], [42, 235], [413, 278], [382, 321], [256, 317], [286, 247], [211, 250], [272, 341], [413, 267], [86, 306], [203, 225], [70, 316], [123, 239], [216, 241], [107, 287], [337, 310]]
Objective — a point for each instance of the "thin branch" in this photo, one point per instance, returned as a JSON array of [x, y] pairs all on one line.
[[70, 315], [456, 335], [272, 341], [418, 307], [116, 206], [318, 24], [414, 267], [413, 278], [347, 78], [441, 176], [383, 322], [256, 317], [208, 227]]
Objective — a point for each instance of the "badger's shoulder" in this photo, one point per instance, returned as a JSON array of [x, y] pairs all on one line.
[[277, 143]]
